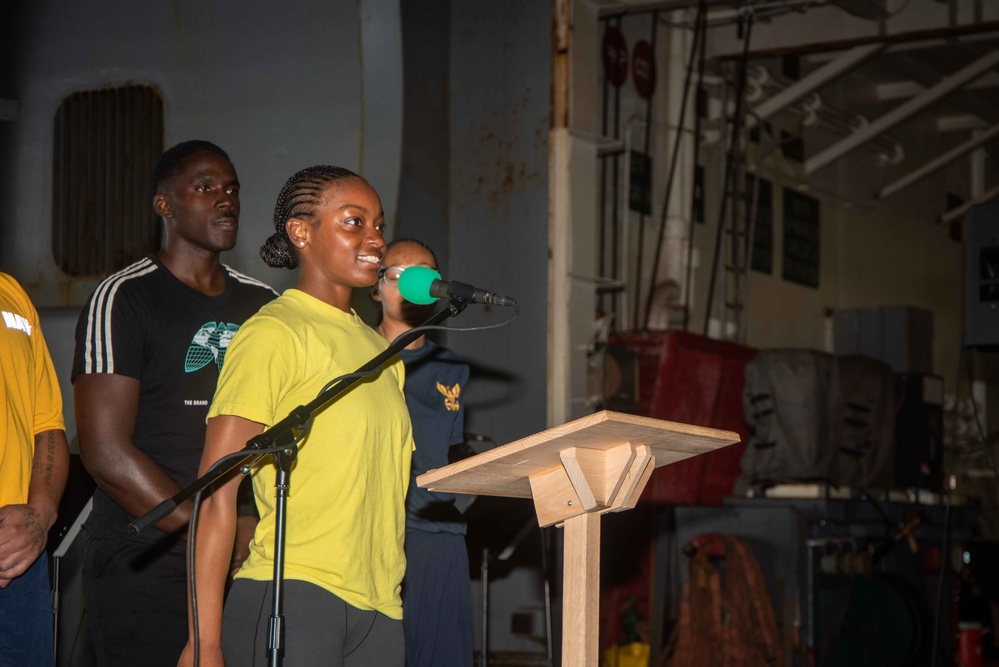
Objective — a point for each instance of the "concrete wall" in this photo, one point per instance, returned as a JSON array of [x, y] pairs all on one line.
[[279, 87], [500, 80]]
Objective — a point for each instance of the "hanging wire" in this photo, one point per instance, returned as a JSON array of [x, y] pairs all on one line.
[[641, 218], [698, 117], [699, 37], [729, 166]]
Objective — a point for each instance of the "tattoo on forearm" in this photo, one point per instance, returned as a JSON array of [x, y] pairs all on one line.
[[34, 527], [45, 446]]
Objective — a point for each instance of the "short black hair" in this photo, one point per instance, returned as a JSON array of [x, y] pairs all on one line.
[[170, 162], [415, 242]]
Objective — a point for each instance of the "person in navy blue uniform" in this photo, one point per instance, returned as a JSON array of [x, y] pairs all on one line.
[[436, 592]]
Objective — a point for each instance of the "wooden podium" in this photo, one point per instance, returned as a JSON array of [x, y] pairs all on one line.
[[575, 473]]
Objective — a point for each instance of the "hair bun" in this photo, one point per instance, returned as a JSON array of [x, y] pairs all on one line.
[[278, 253]]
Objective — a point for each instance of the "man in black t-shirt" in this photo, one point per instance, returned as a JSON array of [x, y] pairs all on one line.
[[149, 345]]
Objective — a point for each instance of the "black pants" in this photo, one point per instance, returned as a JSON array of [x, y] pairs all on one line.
[[321, 630], [136, 601]]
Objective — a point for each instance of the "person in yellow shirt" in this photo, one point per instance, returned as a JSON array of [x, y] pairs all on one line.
[[344, 559], [34, 464]]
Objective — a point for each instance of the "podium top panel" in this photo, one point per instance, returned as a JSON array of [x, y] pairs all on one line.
[[505, 471]]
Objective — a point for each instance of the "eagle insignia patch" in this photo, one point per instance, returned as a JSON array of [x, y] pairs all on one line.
[[451, 395]]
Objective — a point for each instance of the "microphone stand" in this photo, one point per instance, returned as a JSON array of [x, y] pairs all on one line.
[[285, 434]]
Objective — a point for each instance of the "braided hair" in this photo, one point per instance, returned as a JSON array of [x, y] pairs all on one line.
[[171, 162], [298, 199]]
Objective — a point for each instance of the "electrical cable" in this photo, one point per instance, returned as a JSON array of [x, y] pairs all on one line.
[[898, 10], [192, 532], [615, 183], [729, 167], [641, 218], [677, 141], [698, 116], [601, 265]]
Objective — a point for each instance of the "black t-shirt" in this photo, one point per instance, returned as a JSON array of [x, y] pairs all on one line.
[[145, 323]]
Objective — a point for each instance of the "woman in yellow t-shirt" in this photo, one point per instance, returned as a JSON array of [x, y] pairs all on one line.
[[344, 558]]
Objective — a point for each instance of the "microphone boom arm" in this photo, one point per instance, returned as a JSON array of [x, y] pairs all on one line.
[[287, 431]]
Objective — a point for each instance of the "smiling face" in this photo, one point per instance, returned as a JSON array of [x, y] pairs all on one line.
[[201, 203], [397, 312], [341, 248]]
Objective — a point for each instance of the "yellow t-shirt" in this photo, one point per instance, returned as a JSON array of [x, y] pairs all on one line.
[[29, 390], [346, 507]]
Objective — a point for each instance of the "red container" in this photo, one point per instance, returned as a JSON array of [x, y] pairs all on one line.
[[681, 377], [969, 644], [687, 378]]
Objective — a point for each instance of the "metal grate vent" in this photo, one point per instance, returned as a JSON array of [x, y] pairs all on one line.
[[106, 143]]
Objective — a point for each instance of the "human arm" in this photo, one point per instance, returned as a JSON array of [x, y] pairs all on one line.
[[107, 406], [214, 540], [246, 524], [24, 528]]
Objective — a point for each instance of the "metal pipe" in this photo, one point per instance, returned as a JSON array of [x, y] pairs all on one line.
[[902, 112], [677, 142], [939, 162], [956, 213]]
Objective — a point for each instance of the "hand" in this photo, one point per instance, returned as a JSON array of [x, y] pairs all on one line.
[[22, 537], [210, 656], [245, 527]]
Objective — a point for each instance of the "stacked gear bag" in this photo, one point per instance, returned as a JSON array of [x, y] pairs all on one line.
[[815, 417]]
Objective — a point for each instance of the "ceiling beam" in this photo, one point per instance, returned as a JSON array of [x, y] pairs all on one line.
[[648, 6], [902, 112], [949, 32], [960, 123], [939, 162], [899, 90], [962, 102], [955, 213], [833, 69]]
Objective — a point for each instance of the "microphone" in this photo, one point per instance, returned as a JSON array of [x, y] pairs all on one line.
[[423, 286]]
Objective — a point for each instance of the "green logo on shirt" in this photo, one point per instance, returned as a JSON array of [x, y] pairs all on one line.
[[209, 344]]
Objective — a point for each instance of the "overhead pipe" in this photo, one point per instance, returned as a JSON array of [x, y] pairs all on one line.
[[904, 111], [815, 112], [939, 162]]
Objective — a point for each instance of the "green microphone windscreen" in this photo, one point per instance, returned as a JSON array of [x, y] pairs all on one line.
[[415, 282]]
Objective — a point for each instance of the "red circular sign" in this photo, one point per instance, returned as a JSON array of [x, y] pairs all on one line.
[[643, 67], [615, 56]]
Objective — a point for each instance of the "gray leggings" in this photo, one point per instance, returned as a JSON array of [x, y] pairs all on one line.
[[319, 629]]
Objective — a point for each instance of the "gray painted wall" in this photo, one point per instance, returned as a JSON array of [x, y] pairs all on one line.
[[459, 137], [280, 87], [500, 90], [443, 105]]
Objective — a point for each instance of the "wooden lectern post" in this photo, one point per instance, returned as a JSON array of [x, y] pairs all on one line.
[[575, 473]]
